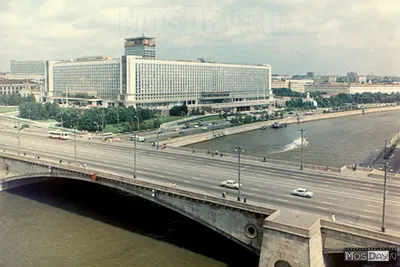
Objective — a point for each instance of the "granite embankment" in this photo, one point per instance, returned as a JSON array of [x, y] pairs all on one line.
[[196, 138]]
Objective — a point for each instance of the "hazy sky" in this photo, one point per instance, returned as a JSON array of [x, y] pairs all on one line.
[[294, 36]]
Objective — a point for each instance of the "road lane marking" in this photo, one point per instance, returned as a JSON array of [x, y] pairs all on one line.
[[262, 186], [282, 200], [146, 169], [170, 173], [318, 207], [195, 178], [327, 203], [332, 198], [365, 216], [373, 206], [155, 166], [179, 171], [253, 189], [248, 194], [259, 174], [187, 182], [370, 211], [324, 185]]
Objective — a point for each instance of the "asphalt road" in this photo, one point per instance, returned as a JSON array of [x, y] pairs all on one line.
[[350, 198]]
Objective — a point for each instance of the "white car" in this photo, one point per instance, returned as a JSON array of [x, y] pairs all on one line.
[[177, 129], [230, 184], [303, 193], [196, 126]]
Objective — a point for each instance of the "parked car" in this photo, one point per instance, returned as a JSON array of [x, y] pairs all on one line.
[[230, 184], [177, 130], [302, 192], [158, 132]]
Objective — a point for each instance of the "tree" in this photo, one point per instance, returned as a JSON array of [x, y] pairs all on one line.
[[178, 110]]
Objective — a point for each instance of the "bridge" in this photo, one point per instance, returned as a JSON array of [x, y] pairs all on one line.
[[277, 226]]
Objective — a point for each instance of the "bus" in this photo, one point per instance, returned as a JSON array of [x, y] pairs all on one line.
[[59, 135], [108, 136]]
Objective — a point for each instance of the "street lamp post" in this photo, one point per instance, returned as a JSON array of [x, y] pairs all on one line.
[[301, 149], [158, 134], [213, 133], [384, 197], [19, 140], [62, 122], [239, 150], [102, 123], [134, 148], [75, 146]]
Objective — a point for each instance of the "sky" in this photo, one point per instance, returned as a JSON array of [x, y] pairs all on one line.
[[294, 36]]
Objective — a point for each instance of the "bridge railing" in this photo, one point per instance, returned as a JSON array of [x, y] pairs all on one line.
[[261, 159], [57, 169]]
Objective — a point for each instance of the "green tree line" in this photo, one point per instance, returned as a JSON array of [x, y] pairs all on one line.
[[338, 100], [92, 119]]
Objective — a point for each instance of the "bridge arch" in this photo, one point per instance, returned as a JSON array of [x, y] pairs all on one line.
[[282, 264], [237, 221]]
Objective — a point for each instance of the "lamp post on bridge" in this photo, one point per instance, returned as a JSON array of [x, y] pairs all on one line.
[[19, 140], [384, 196], [239, 150], [301, 149], [134, 147]]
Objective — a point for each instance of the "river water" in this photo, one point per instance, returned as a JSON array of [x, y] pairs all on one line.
[[334, 142], [72, 223]]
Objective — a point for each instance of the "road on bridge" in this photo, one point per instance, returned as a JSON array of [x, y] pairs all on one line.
[[353, 199]]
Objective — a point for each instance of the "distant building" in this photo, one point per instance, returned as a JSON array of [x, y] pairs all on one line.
[[27, 67], [327, 79], [310, 75], [294, 85], [298, 85], [352, 88], [362, 79], [9, 87], [140, 46], [8, 76], [308, 99], [351, 77]]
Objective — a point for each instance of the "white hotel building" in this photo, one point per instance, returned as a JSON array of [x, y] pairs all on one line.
[[156, 83]]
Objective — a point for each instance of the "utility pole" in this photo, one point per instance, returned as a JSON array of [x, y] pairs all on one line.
[[19, 141], [301, 149], [384, 198], [239, 149]]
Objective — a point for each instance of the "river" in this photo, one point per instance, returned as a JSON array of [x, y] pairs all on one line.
[[335, 142], [72, 223]]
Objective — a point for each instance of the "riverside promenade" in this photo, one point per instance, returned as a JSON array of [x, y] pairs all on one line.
[[201, 137]]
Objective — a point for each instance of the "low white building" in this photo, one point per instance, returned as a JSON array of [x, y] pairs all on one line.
[[336, 88]]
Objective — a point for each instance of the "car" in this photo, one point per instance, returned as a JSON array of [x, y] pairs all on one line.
[[196, 126], [182, 132], [302, 192], [158, 132], [177, 130], [204, 128], [230, 184], [186, 127]]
